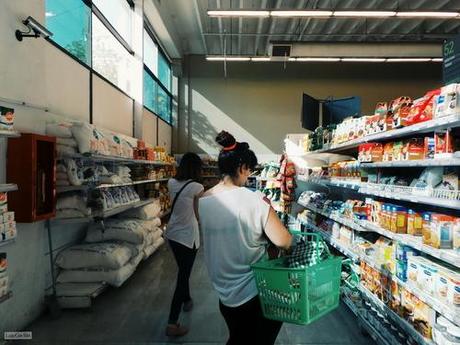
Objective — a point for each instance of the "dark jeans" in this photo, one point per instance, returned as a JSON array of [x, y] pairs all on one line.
[[185, 257], [247, 325]]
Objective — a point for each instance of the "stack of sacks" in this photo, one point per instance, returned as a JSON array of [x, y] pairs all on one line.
[[110, 262], [72, 206], [90, 139], [65, 143], [107, 177], [148, 217], [123, 172], [119, 145], [62, 179], [115, 197]]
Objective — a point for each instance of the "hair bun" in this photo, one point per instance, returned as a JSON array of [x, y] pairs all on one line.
[[225, 139]]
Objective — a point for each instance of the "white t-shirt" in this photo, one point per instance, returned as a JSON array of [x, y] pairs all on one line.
[[232, 225], [183, 225]]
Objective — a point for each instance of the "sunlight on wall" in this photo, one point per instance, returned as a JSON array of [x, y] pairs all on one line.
[[208, 120]]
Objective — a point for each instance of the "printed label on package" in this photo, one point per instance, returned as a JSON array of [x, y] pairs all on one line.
[[17, 335]]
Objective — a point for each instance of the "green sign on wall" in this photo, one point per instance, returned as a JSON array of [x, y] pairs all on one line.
[[451, 61]]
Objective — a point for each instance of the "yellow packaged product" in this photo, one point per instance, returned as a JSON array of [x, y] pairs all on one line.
[[426, 228], [414, 223]]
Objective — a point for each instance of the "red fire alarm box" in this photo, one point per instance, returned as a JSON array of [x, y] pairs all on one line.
[[31, 165]]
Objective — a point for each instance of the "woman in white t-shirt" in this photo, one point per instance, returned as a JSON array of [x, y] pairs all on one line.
[[236, 225], [183, 234]]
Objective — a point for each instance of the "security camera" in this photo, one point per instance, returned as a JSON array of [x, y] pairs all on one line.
[[35, 27]]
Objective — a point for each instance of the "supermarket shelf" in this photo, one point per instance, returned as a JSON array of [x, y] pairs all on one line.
[[337, 218], [423, 127], [7, 242], [407, 194], [328, 238], [414, 163], [9, 134], [6, 297], [103, 158], [64, 189], [378, 338], [406, 326], [121, 209], [448, 255], [9, 187], [352, 184]]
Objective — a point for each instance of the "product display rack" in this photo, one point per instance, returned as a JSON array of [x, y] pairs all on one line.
[[107, 159], [413, 163], [9, 134], [9, 187], [423, 127], [64, 189]]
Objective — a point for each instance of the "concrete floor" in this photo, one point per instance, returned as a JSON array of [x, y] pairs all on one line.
[[137, 313]]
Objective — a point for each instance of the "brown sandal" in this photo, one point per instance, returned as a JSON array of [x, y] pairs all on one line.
[[176, 330]]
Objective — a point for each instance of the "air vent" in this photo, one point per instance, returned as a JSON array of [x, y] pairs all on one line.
[[281, 50]]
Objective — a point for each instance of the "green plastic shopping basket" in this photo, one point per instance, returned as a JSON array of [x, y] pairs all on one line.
[[298, 295]]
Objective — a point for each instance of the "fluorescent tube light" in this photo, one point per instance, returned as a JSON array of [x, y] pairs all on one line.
[[260, 59], [364, 13], [318, 59], [428, 14], [241, 13], [437, 60], [281, 13], [408, 59], [292, 59], [363, 59], [228, 58]]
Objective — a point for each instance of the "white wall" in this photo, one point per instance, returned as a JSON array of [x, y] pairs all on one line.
[[261, 102], [36, 72], [150, 125]]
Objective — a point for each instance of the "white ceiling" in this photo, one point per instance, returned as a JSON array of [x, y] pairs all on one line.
[[200, 34]]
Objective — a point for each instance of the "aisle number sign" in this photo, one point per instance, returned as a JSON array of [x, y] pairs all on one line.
[[451, 58]]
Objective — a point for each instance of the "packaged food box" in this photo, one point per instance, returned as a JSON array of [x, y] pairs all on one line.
[[442, 231], [427, 274], [448, 101], [414, 149], [429, 147], [414, 223], [3, 202], [442, 285], [456, 234], [450, 178], [413, 270], [424, 318], [453, 292], [398, 147], [426, 228], [6, 118], [443, 147]]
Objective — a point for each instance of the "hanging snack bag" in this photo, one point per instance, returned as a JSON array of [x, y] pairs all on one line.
[[6, 118]]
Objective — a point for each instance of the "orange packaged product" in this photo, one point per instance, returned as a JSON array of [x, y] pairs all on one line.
[[443, 147], [414, 223], [414, 149], [387, 152], [377, 152], [422, 109]]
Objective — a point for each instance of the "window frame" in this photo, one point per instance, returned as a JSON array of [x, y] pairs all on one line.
[[148, 28]]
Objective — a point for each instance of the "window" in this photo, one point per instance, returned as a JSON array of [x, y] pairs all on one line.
[[111, 59], [150, 53], [150, 92], [119, 15], [157, 80], [164, 72], [70, 23]]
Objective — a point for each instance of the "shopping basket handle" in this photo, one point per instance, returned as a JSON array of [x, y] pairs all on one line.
[[312, 234]]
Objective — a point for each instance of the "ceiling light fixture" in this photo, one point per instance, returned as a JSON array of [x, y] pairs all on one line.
[[240, 13], [428, 14], [437, 60], [260, 59], [318, 59], [228, 58], [409, 59], [363, 59], [281, 13], [364, 14]]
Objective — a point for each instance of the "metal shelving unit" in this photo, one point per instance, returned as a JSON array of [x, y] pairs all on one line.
[[103, 159], [413, 164], [9, 134], [423, 127], [9, 187]]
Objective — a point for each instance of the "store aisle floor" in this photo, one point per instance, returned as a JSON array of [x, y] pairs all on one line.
[[137, 312]]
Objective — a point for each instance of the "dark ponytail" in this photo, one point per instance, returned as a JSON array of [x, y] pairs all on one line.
[[234, 155]]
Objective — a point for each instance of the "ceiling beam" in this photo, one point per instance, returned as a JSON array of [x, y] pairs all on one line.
[[292, 22], [219, 21], [240, 28], [272, 26], [200, 24], [259, 28]]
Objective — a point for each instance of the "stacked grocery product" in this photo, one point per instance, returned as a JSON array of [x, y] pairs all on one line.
[[147, 172], [113, 249], [401, 112], [84, 138], [6, 119], [7, 222]]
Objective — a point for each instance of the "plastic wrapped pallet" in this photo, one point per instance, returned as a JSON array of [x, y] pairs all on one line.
[[116, 229], [108, 255]]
